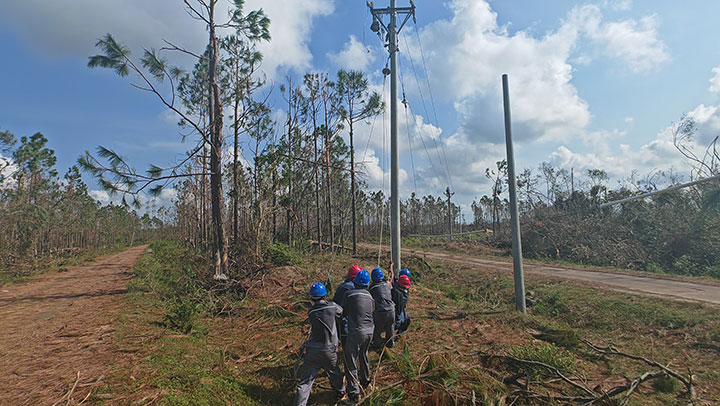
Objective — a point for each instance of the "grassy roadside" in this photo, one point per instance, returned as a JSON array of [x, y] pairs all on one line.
[[8, 277], [189, 343], [477, 247]]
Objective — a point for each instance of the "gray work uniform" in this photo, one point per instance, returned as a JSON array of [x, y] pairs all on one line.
[[358, 307], [320, 351], [342, 326], [384, 314], [400, 296]]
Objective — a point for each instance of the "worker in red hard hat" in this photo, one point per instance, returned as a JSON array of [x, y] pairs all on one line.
[[400, 296], [348, 284]]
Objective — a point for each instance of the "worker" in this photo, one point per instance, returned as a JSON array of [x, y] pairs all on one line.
[[347, 284], [320, 347], [357, 305], [400, 296], [338, 297], [384, 314]]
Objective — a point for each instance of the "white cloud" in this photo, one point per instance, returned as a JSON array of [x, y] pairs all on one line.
[[618, 5], [635, 42], [53, 27], [354, 55], [101, 196], [291, 23], [467, 55], [148, 204], [707, 122], [7, 168], [715, 81], [371, 171]]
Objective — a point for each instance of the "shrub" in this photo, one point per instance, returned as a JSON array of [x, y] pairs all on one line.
[[665, 384], [546, 353], [280, 254], [181, 316]]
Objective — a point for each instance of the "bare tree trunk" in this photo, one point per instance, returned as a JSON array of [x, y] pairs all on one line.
[[274, 205], [216, 139], [317, 187], [328, 188], [236, 194], [290, 168], [352, 190]]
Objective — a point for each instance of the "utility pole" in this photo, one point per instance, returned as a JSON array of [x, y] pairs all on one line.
[[514, 218], [390, 32], [448, 195]]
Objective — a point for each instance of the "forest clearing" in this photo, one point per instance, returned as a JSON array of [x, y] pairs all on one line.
[[230, 202], [170, 338]]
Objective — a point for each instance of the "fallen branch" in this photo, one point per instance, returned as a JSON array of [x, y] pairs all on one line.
[[687, 381], [546, 366], [630, 388], [68, 395]]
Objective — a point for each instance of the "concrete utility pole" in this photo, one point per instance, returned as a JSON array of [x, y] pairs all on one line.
[[448, 195], [391, 30], [514, 218]]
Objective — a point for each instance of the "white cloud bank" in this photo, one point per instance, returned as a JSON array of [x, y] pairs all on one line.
[[53, 26]]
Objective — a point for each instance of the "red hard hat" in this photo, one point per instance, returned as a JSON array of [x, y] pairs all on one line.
[[404, 281], [353, 271]]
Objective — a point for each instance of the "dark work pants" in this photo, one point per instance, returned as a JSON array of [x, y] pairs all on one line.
[[384, 322], [357, 365], [315, 360]]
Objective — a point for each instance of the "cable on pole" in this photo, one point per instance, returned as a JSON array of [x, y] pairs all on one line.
[[432, 99], [427, 114], [417, 130]]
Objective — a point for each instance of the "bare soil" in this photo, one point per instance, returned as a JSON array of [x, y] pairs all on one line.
[[57, 332]]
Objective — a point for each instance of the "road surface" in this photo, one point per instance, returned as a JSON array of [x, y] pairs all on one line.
[[56, 331], [647, 285]]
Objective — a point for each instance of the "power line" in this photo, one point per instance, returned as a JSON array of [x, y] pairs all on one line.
[[422, 139], [422, 99], [432, 99], [407, 127]]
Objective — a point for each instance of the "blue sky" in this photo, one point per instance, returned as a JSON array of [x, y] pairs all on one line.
[[593, 84]]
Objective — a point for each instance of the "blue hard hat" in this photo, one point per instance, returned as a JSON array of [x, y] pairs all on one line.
[[362, 278], [405, 271], [377, 275], [317, 290]]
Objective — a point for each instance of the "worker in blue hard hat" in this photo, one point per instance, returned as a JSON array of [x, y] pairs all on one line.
[[384, 314], [357, 305], [320, 347]]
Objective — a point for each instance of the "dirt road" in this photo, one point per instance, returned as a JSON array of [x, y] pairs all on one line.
[[671, 289], [56, 332]]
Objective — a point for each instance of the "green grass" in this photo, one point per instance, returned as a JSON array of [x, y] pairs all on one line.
[[247, 357], [179, 361]]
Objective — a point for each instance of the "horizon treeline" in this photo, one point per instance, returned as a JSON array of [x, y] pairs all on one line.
[[45, 215]]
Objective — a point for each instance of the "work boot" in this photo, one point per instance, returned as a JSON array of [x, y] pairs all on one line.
[[351, 400]]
